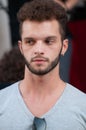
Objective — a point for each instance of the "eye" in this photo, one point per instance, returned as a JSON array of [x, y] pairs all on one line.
[[30, 41], [49, 41]]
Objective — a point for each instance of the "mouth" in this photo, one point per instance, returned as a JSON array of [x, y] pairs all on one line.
[[39, 60]]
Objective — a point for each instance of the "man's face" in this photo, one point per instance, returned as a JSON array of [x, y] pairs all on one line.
[[41, 45]]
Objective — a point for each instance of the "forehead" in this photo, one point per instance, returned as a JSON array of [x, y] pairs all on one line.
[[44, 28]]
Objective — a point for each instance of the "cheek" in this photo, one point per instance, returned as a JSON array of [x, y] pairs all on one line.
[[27, 54], [26, 50], [56, 51]]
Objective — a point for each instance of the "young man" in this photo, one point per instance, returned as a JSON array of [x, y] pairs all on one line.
[[42, 96]]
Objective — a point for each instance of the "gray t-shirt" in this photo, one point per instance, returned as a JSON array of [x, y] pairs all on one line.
[[69, 112]]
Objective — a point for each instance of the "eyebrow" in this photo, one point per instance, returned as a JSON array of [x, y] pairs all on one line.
[[49, 37], [26, 38]]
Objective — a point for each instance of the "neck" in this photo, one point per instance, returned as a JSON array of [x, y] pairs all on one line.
[[41, 85]]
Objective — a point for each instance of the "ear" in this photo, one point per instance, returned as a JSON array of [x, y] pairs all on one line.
[[65, 46], [20, 46]]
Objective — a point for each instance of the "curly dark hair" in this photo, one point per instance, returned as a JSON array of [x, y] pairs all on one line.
[[42, 10], [12, 66]]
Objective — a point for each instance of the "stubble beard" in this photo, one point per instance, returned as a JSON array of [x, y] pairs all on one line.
[[41, 72]]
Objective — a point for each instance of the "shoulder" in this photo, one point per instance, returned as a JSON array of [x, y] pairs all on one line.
[[76, 101], [75, 96], [75, 91], [7, 93]]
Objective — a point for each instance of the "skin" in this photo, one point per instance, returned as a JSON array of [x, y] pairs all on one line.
[[41, 44]]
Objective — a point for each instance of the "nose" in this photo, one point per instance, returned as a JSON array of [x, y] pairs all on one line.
[[39, 48]]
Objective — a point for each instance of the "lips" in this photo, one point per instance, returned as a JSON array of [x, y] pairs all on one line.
[[39, 60]]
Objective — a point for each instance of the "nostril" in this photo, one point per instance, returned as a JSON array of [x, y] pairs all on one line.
[[42, 53], [37, 53]]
